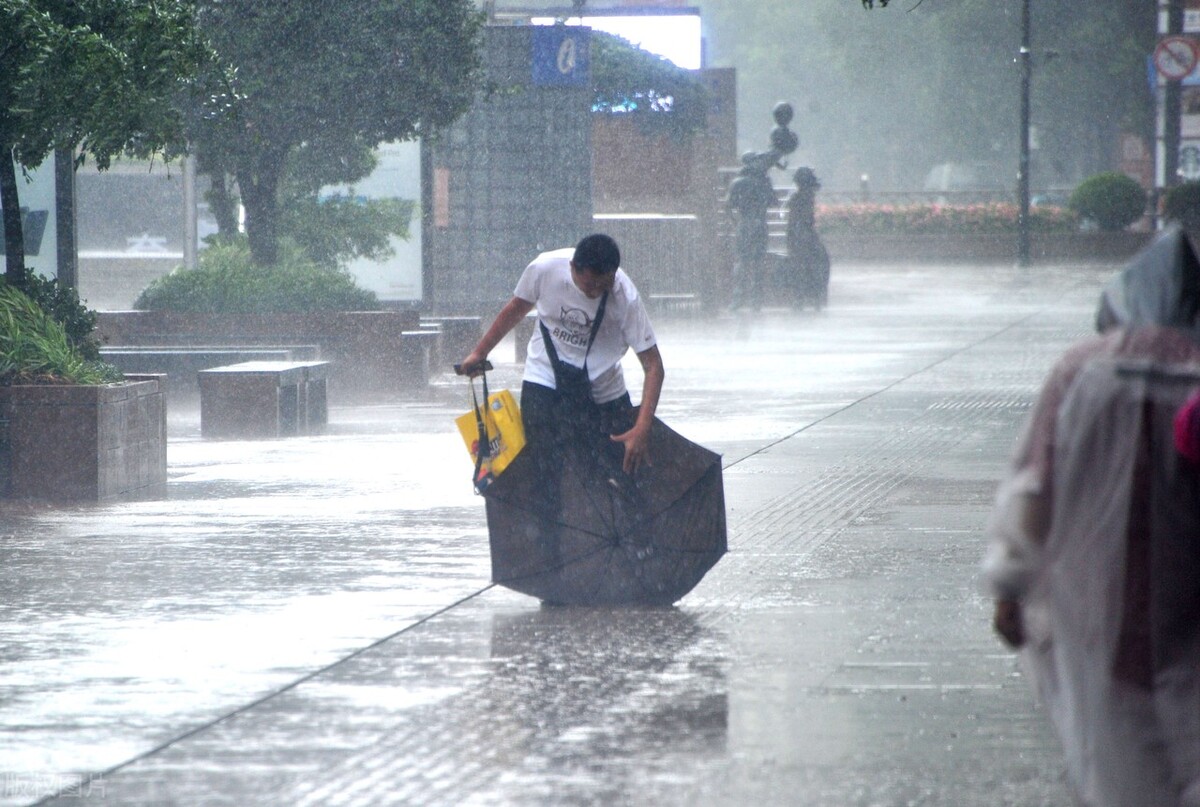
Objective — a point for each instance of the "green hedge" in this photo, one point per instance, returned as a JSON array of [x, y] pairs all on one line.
[[939, 219], [1112, 200], [226, 281]]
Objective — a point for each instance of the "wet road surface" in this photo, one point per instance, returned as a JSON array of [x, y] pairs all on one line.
[[309, 621]]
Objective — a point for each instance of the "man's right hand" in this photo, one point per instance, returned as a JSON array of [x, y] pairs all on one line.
[[473, 365]]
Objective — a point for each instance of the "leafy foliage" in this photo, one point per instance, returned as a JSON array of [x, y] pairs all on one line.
[[334, 78], [939, 219], [65, 307], [100, 77], [35, 349], [227, 281], [335, 229], [105, 76], [1111, 199], [661, 96]]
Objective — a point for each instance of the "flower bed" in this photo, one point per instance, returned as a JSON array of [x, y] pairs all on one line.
[[925, 219]]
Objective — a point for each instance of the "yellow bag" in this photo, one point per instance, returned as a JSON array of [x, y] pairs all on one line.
[[501, 419]]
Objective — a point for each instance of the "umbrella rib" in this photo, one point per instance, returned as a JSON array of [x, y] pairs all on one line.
[[608, 568], [594, 500], [600, 535], [562, 564]]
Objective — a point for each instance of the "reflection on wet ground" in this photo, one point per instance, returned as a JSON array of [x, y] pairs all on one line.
[[309, 621]]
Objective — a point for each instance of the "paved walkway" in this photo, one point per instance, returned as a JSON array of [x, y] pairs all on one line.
[[309, 621]]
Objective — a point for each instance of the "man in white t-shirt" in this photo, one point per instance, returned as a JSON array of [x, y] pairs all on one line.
[[571, 290]]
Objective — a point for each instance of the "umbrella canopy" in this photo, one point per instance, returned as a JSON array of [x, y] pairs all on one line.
[[591, 534], [1160, 286]]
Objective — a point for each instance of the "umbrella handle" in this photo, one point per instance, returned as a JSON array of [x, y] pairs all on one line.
[[474, 369]]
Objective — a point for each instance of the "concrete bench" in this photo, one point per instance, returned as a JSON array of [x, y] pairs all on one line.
[[181, 363], [419, 352], [674, 303], [459, 335], [257, 399]]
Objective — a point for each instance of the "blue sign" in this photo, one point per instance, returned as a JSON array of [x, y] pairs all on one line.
[[561, 55]]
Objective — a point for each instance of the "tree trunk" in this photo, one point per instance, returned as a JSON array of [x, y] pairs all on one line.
[[222, 204], [260, 195], [14, 233]]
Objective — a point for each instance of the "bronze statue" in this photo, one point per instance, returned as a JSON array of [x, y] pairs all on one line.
[[807, 265], [751, 196]]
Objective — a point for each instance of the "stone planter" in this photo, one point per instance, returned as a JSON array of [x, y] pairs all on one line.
[[82, 442]]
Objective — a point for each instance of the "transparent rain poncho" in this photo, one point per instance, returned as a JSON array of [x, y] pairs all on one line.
[[1160, 286], [1096, 533]]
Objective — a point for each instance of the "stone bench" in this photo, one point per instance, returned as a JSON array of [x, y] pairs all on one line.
[[420, 351], [673, 303], [181, 363], [256, 399], [459, 335], [360, 344]]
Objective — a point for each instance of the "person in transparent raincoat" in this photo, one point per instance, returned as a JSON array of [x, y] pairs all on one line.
[[1094, 556]]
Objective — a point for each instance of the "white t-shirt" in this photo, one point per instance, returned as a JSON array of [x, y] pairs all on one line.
[[568, 314]]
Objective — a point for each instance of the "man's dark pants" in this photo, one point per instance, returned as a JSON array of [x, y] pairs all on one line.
[[556, 425]]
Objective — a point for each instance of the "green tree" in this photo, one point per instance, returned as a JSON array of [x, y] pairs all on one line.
[[335, 229], [102, 77], [659, 95], [333, 78]]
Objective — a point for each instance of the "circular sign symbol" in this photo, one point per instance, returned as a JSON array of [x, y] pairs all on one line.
[[566, 56], [1175, 57]]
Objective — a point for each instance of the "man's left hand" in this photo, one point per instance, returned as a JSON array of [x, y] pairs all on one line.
[[637, 447]]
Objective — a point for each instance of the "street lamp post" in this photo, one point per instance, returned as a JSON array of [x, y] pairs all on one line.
[[1023, 166]]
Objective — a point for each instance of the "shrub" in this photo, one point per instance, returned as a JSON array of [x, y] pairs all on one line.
[[1181, 204], [1112, 200], [63, 304], [35, 348], [226, 281], [939, 219]]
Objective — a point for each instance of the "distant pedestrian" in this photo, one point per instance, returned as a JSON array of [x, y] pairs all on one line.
[[1095, 541]]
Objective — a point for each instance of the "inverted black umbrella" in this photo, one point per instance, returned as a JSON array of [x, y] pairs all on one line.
[[586, 533]]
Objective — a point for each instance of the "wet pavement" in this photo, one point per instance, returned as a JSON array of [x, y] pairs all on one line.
[[310, 620]]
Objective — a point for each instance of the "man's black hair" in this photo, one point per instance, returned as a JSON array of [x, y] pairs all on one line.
[[597, 252]]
